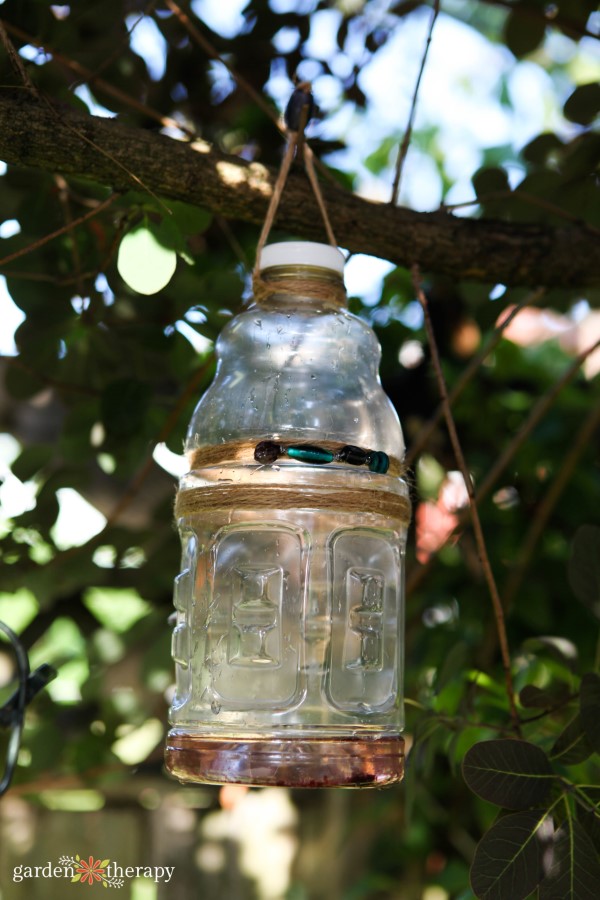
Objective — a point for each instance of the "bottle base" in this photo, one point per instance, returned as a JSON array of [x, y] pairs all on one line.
[[286, 762]]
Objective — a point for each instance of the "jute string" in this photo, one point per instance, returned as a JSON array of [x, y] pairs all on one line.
[[325, 289], [330, 291], [243, 451], [261, 497]]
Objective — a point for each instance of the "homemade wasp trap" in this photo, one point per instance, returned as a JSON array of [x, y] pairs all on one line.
[[293, 518]]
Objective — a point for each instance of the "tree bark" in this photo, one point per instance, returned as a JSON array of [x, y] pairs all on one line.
[[33, 133]]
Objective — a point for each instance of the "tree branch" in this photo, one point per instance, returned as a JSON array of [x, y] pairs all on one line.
[[61, 140]]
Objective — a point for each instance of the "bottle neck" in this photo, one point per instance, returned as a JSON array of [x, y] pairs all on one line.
[[314, 287]]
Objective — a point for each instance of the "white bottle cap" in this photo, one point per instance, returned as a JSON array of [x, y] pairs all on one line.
[[302, 253]]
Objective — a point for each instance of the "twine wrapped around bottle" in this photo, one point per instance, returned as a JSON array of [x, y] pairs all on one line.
[[243, 452], [196, 501], [330, 291]]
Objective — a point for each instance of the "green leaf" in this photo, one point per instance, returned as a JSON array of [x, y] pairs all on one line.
[[559, 648], [572, 746], [377, 161], [589, 698], [523, 34], [539, 149], [508, 859], [584, 567], [512, 774], [490, 181], [590, 822], [453, 666], [144, 262], [123, 406], [31, 460], [584, 104], [580, 157], [117, 609], [575, 871], [532, 697], [190, 219], [168, 233], [21, 383]]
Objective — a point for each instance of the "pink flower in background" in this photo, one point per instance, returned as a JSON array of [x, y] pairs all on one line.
[[534, 326], [435, 521]]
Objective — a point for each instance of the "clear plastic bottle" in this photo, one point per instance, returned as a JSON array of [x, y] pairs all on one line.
[[289, 636]]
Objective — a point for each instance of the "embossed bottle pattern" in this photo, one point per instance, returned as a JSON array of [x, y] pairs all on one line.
[[254, 616], [366, 618]]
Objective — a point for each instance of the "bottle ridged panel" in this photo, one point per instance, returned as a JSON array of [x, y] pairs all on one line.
[[363, 670], [254, 619]]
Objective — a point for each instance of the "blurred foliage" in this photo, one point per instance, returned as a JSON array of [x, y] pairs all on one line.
[[114, 348]]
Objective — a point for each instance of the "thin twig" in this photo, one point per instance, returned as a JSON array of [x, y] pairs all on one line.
[[87, 76], [51, 279], [550, 710], [546, 507], [16, 62], [47, 381], [413, 109], [232, 240], [92, 274], [526, 197], [478, 530], [468, 373], [63, 230], [63, 196], [123, 43]]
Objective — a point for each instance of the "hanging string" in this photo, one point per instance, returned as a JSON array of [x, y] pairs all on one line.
[[327, 287], [297, 115]]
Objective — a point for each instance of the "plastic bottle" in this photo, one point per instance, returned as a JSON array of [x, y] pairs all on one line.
[[289, 636]]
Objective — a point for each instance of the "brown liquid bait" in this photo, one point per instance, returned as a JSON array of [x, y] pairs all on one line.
[[291, 762]]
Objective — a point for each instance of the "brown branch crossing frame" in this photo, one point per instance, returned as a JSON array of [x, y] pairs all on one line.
[[33, 135]]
